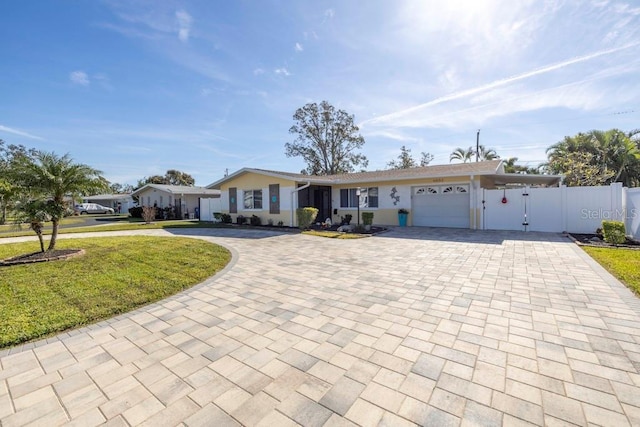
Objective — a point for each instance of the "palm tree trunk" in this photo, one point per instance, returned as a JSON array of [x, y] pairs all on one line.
[[37, 228], [41, 241], [54, 234]]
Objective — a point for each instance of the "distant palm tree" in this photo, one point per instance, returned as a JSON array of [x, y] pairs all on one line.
[[487, 153], [51, 178], [469, 154], [463, 155]]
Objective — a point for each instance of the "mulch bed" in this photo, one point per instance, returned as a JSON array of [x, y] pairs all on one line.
[[334, 227], [597, 241], [55, 255]]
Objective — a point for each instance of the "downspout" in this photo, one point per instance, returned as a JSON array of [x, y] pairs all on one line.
[[307, 185]]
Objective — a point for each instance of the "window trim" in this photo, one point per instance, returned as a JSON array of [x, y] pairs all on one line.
[[253, 199], [351, 197]]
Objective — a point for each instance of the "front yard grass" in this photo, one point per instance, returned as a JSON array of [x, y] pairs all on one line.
[[131, 224], [116, 275], [624, 264]]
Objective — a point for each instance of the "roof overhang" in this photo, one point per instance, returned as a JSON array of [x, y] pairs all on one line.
[[526, 179], [202, 191]]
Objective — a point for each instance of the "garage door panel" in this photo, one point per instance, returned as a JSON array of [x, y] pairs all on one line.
[[441, 210]]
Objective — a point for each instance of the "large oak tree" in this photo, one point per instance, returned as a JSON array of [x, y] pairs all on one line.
[[327, 139]]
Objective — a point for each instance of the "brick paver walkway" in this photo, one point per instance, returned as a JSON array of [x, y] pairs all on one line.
[[415, 326]]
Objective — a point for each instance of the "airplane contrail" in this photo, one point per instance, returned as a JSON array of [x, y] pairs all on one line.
[[498, 83], [19, 132]]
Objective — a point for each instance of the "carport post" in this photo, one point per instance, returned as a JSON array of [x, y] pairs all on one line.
[[358, 197]]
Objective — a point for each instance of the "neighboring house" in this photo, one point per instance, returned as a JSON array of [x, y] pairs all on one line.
[[185, 200], [438, 196], [119, 202]]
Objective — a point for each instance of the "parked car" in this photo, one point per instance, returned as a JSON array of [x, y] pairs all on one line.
[[93, 208]]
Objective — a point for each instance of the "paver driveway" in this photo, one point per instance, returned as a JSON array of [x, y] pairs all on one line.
[[416, 326]]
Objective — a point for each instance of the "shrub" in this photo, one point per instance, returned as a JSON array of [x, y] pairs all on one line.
[[306, 216], [255, 220], [169, 212], [270, 222], [224, 218], [403, 211], [135, 212], [148, 214], [346, 220], [367, 218], [240, 219], [159, 213], [280, 224], [613, 232]]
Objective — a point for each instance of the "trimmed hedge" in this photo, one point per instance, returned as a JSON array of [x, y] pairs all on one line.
[[306, 216], [367, 218], [614, 232], [135, 212]]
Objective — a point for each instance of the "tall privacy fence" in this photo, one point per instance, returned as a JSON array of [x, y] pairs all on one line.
[[558, 209]]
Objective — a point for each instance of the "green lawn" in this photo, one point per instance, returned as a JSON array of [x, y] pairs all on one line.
[[130, 224], [622, 263], [10, 226], [116, 275]]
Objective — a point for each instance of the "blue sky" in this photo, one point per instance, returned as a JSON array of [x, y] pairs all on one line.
[[134, 88]]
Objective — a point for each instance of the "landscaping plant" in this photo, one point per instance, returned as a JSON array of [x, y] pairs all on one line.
[[367, 218], [306, 216], [613, 232], [148, 214]]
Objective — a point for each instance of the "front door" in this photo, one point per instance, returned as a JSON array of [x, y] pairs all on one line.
[[322, 202], [318, 197]]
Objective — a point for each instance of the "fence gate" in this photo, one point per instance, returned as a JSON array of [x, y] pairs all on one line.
[[208, 207], [525, 209]]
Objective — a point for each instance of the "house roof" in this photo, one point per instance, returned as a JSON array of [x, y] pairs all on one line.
[[477, 168], [108, 197], [178, 189]]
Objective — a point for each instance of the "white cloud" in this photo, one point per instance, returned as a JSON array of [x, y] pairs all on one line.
[[299, 47], [184, 25], [282, 71], [329, 13], [79, 77], [258, 71], [405, 117], [19, 132]]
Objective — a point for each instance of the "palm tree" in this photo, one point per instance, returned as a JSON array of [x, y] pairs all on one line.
[[620, 153], [463, 155], [52, 178], [487, 153], [468, 154], [33, 212]]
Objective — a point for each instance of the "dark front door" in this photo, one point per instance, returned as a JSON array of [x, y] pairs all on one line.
[[318, 197], [322, 202]]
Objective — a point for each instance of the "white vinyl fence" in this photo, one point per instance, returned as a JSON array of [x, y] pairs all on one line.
[[208, 207], [570, 209]]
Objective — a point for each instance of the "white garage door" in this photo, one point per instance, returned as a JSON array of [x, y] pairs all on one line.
[[441, 206]]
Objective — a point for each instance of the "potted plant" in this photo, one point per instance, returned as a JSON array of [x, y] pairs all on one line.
[[403, 214], [367, 220]]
